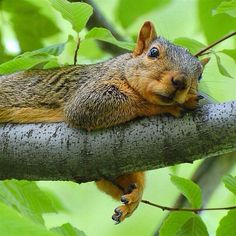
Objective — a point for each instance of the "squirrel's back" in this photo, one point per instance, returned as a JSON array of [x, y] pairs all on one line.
[[40, 95]]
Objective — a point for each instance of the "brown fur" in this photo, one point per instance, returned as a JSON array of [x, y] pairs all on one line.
[[106, 94], [30, 115]]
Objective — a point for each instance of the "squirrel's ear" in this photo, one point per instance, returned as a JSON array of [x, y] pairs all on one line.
[[146, 35], [204, 61]]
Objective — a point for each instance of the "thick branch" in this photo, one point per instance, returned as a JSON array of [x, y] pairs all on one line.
[[56, 152]]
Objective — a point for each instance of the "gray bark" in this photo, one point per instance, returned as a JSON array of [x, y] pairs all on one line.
[[57, 152]]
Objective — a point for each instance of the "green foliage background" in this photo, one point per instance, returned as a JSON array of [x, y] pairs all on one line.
[[44, 34]]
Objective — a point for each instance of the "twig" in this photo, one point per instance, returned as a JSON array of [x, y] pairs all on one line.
[[215, 43], [76, 51], [99, 20], [187, 209]]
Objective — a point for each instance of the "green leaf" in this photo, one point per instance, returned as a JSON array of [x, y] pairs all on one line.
[[230, 183], [68, 230], [54, 50], [189, 189], [13, 224], [51, 64], [214, 26], [230, 52], [29, 24], [26, 198], [24, 62], [77, 13], [221, 68], [193, 45], [227, 225], [193, 227], [129, 10], [174, 222], [105, 35], [227, 7], [29, 60]]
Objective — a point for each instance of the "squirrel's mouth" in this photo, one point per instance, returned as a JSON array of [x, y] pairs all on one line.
[[166, 99]]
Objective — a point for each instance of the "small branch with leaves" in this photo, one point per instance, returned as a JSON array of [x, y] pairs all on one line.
[[204, 50], [195, 210]]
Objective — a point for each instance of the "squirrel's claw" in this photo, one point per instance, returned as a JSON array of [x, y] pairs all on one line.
[[116, 217], [199, 97]]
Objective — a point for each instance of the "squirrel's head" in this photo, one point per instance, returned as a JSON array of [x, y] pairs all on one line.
[[162, 72]]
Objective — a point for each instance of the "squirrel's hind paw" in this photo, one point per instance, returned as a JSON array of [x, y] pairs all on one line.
[[131, 201]]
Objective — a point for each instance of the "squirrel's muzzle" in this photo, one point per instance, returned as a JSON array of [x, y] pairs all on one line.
[[179, 82]]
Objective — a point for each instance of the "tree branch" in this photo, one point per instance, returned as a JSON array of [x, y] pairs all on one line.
[[56, 152]]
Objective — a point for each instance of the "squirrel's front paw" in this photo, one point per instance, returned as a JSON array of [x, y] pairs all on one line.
[[176, 111], [130, 203], [192, 102]]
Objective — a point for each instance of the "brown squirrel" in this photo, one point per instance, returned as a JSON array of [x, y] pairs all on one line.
[[157, 77]]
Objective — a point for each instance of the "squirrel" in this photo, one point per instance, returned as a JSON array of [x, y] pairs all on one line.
[[157, 77]]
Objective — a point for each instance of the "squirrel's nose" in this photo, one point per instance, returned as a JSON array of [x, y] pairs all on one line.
[[179, 82]]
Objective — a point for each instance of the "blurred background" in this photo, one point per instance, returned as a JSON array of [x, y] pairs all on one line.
[[27, 25]]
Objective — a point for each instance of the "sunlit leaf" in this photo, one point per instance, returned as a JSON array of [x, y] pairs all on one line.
[[230, 183], [77, 13], [53, 63], [214, 26], [24, 62], [230, 52], [227, 7], [29, 60], [68, 230], [105, 35], [129, 10], [89, 49], [26, 198], [227, 225], [221, 68], [54, 50], [189, 189], [193, 45], [14, 224], [174, 222], [193, 227], [29, 24]]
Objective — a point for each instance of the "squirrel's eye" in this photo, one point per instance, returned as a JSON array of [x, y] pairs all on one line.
[[200, 77], [154, 52]]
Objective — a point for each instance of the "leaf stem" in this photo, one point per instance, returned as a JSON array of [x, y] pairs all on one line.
[[215, 43], [165, 208], [76, 51]]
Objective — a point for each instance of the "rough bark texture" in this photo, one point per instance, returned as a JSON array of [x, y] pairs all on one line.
[[57, 152]]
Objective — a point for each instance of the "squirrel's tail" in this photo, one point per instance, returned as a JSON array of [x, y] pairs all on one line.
[[30, 115]]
